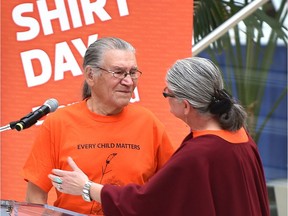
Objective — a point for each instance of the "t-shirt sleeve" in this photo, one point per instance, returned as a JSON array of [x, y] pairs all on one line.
[[39, 162], [165, 150]]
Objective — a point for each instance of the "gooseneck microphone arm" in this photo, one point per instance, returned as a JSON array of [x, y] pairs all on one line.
[[27, 121], [8, 126]]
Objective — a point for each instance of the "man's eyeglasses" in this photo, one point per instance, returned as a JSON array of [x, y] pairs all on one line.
[[121, 73], [166, 94]]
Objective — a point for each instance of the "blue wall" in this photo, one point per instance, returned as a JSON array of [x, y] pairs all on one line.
[[273, 140]]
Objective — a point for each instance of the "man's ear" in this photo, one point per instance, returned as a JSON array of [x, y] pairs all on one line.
[[88, 74]]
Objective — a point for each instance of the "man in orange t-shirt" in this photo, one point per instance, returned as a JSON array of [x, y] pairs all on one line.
[[111, 140]]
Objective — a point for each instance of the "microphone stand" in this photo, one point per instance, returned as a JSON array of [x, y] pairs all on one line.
[[8, 126]]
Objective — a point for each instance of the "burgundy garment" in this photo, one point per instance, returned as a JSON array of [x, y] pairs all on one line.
[[206, 176]]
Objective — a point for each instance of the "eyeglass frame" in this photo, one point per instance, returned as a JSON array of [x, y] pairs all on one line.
[[165, 94], [125, 74]]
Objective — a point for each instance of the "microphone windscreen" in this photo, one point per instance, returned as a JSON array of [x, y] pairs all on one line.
[[52, 104]]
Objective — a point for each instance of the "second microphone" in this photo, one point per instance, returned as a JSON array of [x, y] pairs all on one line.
[[49, 106]]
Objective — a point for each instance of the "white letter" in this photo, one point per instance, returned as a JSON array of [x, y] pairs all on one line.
[[123, 8], [31, 78], [75, 14], [80, 46], [65, 61], [29, 22], [46, 16], [136, 96], [98, 7]]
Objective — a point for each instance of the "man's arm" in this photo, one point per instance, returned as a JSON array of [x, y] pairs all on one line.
[[34, 194]]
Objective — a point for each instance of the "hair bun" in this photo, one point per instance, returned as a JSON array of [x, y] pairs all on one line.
[[221, 102]]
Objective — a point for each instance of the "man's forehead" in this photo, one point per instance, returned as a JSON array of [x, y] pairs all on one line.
[[119, 58]]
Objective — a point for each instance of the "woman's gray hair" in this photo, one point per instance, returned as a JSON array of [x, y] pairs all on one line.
[[94, 55], [199, 81]]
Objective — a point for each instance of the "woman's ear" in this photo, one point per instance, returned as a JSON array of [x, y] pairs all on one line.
[[187, 107]]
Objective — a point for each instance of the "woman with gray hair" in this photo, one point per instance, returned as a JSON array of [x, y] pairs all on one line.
[[216, 170], [199, 82]]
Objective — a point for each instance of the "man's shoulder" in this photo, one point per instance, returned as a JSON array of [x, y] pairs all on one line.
[[142, 113], [65, 109], [138, 108]]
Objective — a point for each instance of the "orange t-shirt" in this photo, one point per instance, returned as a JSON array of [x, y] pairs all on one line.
[[125, 148]]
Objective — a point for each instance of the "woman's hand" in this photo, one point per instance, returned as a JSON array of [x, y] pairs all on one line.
[[70, 182]]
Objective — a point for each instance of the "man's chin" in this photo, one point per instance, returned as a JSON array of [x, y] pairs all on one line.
[[123, 101]]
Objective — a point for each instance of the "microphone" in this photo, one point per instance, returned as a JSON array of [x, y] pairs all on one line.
[[49, 106]]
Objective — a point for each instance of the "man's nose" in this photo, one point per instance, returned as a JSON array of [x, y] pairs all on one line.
[[127, 80]]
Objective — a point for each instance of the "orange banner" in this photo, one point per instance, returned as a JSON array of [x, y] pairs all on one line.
[[42, 46]]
